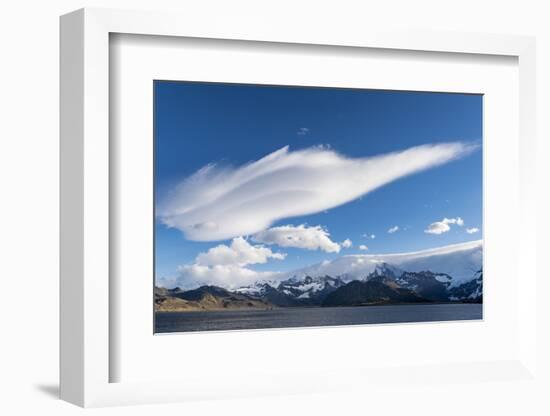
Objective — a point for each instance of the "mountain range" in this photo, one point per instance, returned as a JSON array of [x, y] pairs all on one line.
[[447, 274]]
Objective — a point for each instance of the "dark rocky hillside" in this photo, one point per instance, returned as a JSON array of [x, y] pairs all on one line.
[[386, 285], [206, 298], [378, 290]]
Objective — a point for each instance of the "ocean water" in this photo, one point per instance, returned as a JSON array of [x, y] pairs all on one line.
[[310, 317]]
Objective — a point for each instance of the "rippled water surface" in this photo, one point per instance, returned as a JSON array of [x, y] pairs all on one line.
[[307, 317]]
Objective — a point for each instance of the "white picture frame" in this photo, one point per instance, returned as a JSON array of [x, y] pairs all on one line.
[[86, 265]]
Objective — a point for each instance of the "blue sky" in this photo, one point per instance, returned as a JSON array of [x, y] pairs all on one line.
[[230, 125]]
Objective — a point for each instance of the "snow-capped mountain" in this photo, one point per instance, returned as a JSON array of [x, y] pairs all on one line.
[[310, 287], [258, 288], [446, 274], [450, 273], [294, 291], [471, 290], [460, 262]]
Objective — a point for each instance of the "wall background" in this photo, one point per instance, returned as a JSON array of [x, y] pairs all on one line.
[[29, 204]]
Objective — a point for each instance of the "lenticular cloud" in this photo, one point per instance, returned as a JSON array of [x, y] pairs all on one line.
[[218, 203]]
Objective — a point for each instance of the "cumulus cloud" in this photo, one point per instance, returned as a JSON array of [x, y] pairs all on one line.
[[239, 253], [363, 247], [393, 229], [228, 276], [301, 236], [218, 203], [370, 236], [438, 227], [472, 230], [225, 265], [347, 243], [443, 226]]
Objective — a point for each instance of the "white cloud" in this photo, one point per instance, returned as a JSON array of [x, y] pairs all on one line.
[[393, 229], [363, 247], [302, 131], [371, 236], [347, 243], [443, 226], [472, 230], [227, 276], [240, 253], [218, 203], [301, 236], [437, 227], [226, 265]]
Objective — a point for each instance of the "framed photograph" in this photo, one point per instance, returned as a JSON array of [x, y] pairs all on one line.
[[278, 195], [269, 200]]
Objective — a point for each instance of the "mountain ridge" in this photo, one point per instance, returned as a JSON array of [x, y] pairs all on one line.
[[460, 261], [446, 274]]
